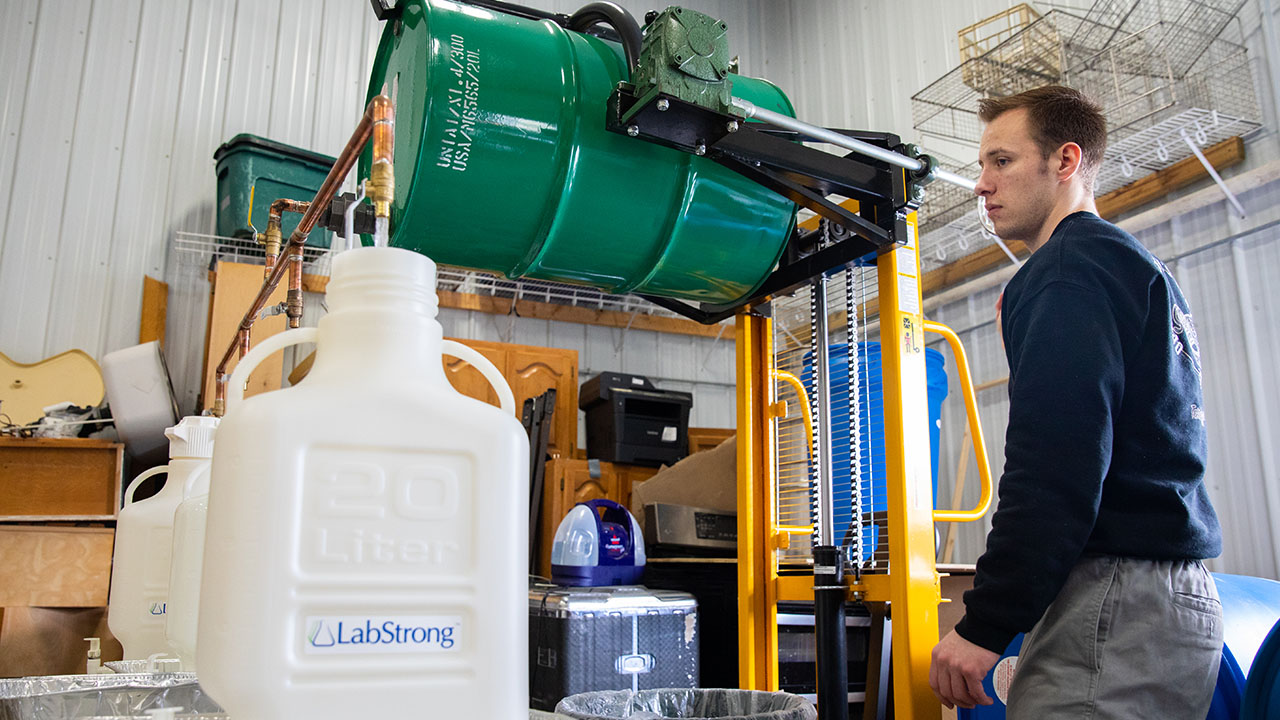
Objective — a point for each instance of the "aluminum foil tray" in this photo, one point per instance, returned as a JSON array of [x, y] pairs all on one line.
[[148, 667], [79, 697]]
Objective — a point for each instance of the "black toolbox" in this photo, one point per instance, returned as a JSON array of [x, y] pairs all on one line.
[[631, 421]]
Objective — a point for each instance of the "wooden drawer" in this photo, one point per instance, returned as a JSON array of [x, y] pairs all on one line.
[[52, 566], [63, 479]]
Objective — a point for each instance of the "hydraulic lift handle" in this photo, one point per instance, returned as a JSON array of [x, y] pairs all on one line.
[[794, 382], [975, 430], [782, 376]]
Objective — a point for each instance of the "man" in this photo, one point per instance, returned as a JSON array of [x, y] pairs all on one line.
[[1103, 517]]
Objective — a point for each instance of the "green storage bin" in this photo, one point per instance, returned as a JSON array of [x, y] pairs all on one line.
[[266, 170]]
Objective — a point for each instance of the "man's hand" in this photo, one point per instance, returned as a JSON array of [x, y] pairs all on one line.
[[957, 671]]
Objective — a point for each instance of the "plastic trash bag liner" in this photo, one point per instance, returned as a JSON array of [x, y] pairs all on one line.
[[686, 704], [70, 697]]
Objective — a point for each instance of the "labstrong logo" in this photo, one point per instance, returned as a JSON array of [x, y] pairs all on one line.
[[315, 637], [382, 634]]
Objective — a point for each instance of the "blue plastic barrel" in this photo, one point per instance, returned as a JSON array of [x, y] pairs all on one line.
[[1250, 609], [871, 429], [1262, 691]]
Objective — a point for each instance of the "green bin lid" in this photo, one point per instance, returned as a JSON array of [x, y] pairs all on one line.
[[246, 141]]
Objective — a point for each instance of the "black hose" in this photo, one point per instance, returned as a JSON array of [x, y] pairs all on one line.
[[520, 11], [617, 18]]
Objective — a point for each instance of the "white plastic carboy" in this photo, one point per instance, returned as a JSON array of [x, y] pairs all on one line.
[[366, 550], [188, 557], [144, 541]]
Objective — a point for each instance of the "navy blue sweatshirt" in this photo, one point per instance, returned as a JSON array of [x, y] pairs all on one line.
[[1105, 451]]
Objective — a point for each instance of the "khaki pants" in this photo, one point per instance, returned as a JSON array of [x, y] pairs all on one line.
[[1125, 638]]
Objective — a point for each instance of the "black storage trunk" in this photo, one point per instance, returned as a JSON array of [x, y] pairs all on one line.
[[631, 421], [609, 638]]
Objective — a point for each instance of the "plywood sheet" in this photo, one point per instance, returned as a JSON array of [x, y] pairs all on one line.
[[49, 566], [235, 285]]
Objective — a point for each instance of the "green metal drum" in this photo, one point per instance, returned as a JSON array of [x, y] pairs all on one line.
[[503, 163]]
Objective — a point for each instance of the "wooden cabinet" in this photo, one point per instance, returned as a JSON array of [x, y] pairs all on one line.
[[59, 479], [530, 371], [52, 571], [708, 438], [569, 482]]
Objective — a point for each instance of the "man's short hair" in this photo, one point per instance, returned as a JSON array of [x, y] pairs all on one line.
[[1057, 115]]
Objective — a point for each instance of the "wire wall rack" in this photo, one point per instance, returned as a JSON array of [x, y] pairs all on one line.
[[196, 249]]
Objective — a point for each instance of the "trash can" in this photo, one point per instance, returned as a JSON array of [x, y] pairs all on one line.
[[67, 697], [700, 703]]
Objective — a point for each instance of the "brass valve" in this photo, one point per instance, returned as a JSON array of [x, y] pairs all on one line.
[[273, 239], [381, 188]]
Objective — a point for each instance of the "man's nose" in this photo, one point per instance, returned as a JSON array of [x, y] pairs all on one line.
[[984, 186]]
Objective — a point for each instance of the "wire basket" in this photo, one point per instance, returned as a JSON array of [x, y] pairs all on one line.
[[1138, 59], [1168, 74]]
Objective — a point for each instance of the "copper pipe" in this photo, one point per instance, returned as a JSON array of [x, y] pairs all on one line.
[[384, 132], [382, 183], [293, 305], [275, 216], [378, 107]]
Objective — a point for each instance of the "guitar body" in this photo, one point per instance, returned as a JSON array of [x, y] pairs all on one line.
[[25, 390]]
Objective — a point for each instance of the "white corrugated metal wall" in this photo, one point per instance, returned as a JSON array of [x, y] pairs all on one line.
[[110, 112]]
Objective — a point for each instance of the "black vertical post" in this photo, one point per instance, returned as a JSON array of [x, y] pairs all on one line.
[[830, 631]]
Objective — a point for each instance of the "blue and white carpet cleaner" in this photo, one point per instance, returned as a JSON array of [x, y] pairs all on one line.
[[598, 543]]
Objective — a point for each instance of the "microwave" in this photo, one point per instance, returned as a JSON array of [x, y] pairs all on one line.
[[797, 652]]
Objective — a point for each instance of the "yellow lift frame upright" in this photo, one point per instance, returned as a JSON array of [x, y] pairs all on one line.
[[913, 586]]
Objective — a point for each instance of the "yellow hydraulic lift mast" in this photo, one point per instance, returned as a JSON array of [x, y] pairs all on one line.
[[912, 586]]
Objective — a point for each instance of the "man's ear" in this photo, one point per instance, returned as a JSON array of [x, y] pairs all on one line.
[[1069, 157]]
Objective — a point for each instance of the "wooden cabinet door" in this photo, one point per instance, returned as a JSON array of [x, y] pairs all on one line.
[[531, 372], [629, 476], [468, 380], [569, 482]]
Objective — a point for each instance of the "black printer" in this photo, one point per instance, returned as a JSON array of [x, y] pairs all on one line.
[[631, 421]]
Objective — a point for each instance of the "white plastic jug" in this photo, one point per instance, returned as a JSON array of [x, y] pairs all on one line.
[[144, 542], [188, 554], [366, 550]]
